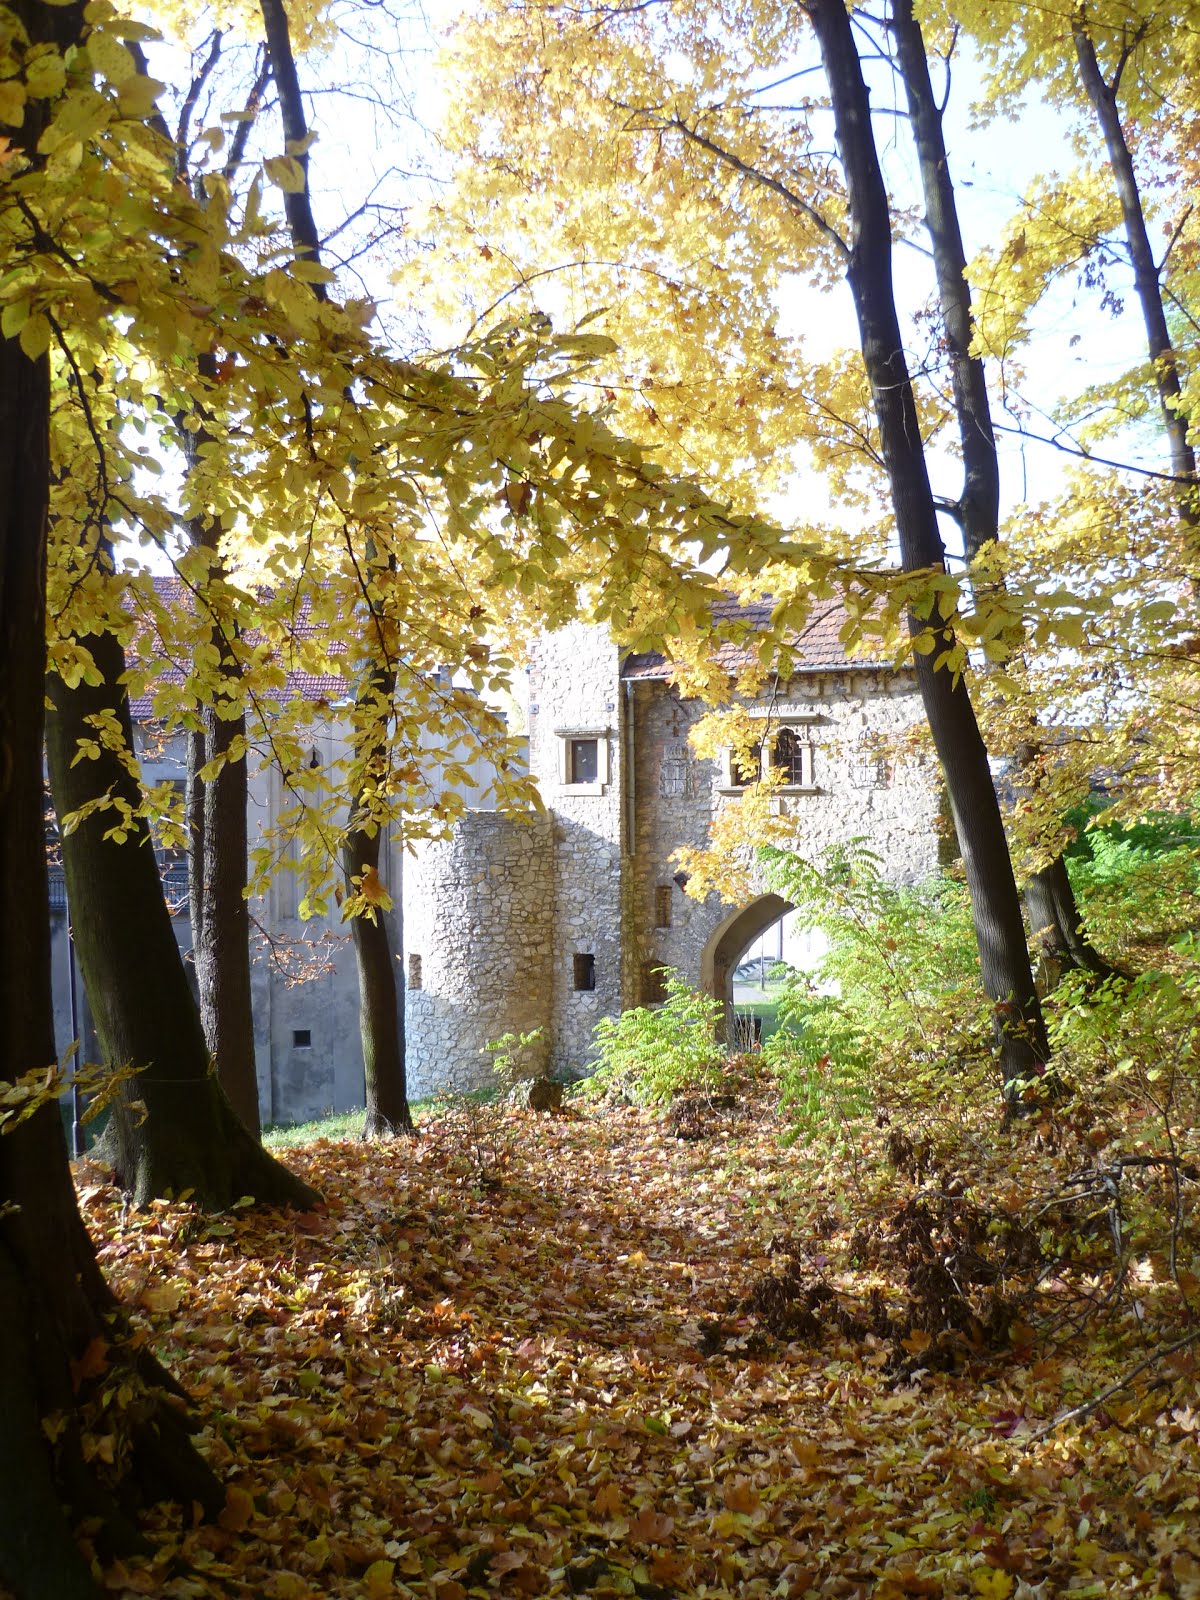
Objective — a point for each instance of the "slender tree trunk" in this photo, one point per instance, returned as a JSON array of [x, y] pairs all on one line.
[[380, 1001], [62, 1335], [380, 998], [1147, 285], [996, 907], [1049, 898], [218, 808], [190, 1137]]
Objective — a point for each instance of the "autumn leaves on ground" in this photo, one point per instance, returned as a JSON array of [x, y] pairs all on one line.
[[617, 1353]]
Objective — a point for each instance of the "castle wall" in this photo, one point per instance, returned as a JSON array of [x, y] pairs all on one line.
[[479, 947], [575, 699], [892, 799]]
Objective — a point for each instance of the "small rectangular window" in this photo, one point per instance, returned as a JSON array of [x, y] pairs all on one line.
[[584, 969], [662, 905], [653, 986], [414, 971], [583, 761], [301, 1038]]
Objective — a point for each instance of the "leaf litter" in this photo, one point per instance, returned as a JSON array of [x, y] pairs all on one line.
[[585, 1355]]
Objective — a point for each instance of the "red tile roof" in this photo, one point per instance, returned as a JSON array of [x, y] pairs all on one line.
[[817, 646]]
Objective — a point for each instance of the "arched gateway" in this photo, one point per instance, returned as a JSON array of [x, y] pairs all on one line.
[[729, 939]]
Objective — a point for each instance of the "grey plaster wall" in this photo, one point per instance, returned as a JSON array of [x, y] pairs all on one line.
[[479, 948]]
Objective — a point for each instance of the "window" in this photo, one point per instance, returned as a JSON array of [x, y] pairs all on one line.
[[652, 988], [414, 971], [584, 971], [747, 769], [792, 758], [301, 1038], [662, 906], [583, 761]]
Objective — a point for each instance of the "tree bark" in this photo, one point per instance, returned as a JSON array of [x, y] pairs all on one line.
[[190, 1137], [996, 908], [1049, 898], [218, 809], [1147, 285], [380, 998], [63, 1339]]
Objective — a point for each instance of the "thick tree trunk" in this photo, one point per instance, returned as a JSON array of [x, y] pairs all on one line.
[[62, 1337], [1049, 898], [145, 1016], [996, 907]]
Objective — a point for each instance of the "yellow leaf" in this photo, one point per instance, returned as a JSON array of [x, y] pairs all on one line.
[[377, 1580], [35, 336], [991, 1584], [12, 103], [286, 173], [238, 1510]]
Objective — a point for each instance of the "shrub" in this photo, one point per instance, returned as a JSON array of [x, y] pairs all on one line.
[[652, 1052]]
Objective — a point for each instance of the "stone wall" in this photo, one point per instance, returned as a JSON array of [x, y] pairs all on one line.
[[575, 694], [479, 948], [856, 787]]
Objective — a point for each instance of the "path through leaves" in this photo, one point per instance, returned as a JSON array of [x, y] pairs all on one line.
[[533, 1356]]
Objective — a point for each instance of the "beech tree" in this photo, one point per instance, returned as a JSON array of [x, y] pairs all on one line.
[[65, 1348]]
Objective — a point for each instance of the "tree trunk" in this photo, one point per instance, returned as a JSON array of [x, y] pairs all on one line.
[[1049, 898], [137, 988], [380, 999], [996, 907], [218, 808], [62, 1337], [1103, 98]]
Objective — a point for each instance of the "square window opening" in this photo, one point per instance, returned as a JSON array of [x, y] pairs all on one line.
[[791, 757], [583, 761], [747, 769], [301, 1038], [584, 972]]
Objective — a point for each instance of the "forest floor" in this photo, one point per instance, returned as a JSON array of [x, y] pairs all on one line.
[[608, 1353]]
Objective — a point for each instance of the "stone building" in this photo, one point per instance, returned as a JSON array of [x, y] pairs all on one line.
[[557, 920], [551, 920]]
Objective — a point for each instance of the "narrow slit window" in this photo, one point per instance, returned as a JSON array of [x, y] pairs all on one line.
[[653, 985], [583, 761], [584, 971], [301, 1038], [414, 971], [662, 905]]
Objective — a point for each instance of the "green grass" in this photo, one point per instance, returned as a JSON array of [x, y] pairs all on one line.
[[337, 1125]]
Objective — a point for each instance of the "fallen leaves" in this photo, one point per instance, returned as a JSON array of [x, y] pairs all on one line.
[[453, 1383]]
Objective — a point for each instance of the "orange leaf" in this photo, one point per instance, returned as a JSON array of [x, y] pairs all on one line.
[[91, 1363], [651, 1527], [741, 1495]]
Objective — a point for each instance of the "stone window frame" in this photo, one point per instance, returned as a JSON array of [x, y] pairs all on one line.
[[802, 723], [565, 738]]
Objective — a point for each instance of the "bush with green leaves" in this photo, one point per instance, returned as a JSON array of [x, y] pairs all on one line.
[[653, 1052], [1137, 882], [896, 1000]]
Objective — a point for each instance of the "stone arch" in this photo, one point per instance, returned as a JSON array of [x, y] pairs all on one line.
[[729, 939]]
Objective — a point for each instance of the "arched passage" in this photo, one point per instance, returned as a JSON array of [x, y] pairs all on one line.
[[729, 939]]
